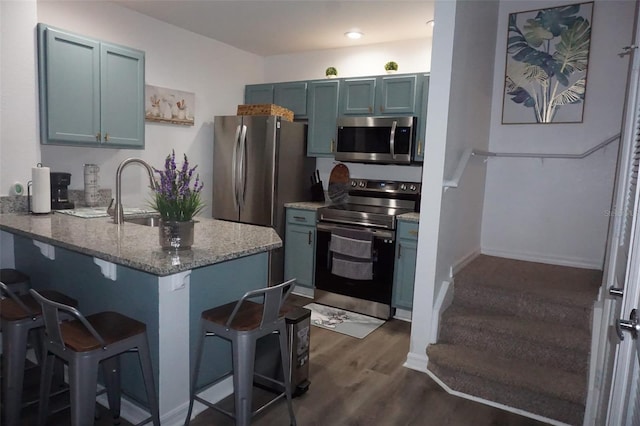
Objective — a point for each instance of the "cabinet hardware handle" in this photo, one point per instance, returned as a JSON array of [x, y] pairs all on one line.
[[98, 136], [106, 137], [370, 109], [399, 251], [381, 108], [413, 232], [300, 218], [419, 147], [332, 142], [309, 237]]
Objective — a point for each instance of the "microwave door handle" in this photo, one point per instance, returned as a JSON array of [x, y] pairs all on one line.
[[243, 151], [392, 137], [234, 168]]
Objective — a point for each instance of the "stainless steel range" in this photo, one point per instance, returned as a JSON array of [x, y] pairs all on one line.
[[355, 246]]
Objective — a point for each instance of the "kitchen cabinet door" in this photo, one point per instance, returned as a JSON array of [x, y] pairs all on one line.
[[397, 95], [300, 247], [292, 96], [122, 96], [91, 92], [357, 96], [323, 114], [258, 94], [69, 69], [405, 265], [421, 112]]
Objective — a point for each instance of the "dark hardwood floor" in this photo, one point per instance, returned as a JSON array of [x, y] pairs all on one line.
[[358, 382]]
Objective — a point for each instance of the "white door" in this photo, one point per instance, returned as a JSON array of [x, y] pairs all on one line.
[[624, 400]]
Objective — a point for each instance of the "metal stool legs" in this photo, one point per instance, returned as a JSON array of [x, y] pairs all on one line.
[[14, 344]]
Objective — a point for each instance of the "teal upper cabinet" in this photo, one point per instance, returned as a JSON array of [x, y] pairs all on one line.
[[91, 93], [323, 113], [292, 96], [383, 95], [397, 95], [422, 118], [357, 96], [258, 94]]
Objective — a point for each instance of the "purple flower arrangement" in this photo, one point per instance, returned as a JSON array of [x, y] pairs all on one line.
[[175, 198]]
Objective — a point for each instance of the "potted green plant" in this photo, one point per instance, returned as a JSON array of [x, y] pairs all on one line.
[[331, 72], [391, 67], [178, 201]]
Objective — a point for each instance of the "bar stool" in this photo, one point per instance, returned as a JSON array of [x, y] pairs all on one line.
[[18, 282], [19, 316], [243, 322], [85, 343]]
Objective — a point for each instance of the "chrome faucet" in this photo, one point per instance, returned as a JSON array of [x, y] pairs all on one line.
[[115, 209]]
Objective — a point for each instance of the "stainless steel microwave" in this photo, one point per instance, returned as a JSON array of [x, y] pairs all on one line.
[[385, 140]]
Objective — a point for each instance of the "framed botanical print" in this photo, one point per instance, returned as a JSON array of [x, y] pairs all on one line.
[[546, 65]]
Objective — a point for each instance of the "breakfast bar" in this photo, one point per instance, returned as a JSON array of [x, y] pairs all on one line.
[[122, 268]]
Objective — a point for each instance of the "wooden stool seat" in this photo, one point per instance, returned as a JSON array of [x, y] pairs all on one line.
[[248, 317], [112, 326], [12, 311]]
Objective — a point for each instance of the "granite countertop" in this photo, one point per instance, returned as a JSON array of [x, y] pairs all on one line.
[[410, 217], [308, 205], [137, 246]]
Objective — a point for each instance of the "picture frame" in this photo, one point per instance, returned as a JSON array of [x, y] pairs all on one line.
[[164, 105], [547, 59]]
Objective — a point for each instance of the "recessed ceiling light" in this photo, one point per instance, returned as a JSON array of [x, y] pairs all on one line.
[[353, 34]]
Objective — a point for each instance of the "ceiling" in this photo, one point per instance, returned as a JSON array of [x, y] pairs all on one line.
[[268, 28]]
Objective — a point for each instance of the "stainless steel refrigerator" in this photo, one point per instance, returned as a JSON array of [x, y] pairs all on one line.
[[259, 164]]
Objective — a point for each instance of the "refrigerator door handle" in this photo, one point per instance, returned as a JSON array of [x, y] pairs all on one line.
[[243, 152], [234, 168]]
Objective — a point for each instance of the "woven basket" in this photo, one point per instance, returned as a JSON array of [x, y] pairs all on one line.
[[265, 109]]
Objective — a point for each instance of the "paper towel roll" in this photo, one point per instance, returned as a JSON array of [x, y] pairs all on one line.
[[41, 184]]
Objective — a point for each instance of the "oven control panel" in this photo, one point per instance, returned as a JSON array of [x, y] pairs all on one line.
[[386, 186]]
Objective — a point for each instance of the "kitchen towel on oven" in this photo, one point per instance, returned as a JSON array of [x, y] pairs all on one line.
[[352, 254], [352, 243]]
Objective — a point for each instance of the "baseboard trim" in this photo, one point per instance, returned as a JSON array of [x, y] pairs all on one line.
[[444, 298], [403, 315], [134, 414], [464, 261], [494, 404], [552, 260], [303, 291], [416, 361]]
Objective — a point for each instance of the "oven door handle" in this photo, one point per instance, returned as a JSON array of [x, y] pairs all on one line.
[[377, 233]]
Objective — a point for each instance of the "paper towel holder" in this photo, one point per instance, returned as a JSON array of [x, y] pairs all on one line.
[[29, 186]]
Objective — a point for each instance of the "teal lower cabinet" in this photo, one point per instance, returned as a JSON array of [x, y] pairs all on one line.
[[405, 264], [300, 247]]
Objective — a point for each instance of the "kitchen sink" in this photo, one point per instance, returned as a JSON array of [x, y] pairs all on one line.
[[145, 220]]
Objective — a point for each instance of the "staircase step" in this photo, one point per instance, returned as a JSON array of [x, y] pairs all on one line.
[[551, 393], [544, 343], [523, 304]]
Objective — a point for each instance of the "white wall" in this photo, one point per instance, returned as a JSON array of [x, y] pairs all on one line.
[[555, 210], [175, 58], [412, 56], [19, 147], [459, 101]]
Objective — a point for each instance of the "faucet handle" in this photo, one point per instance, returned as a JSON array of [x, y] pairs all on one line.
[[111, 210]]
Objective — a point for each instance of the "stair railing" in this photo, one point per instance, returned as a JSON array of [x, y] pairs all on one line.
[[469, 152]]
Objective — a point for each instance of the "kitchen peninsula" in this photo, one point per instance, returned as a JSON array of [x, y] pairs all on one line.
[[122, 268]]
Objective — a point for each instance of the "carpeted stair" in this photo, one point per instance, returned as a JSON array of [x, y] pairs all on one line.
[[518, 333]]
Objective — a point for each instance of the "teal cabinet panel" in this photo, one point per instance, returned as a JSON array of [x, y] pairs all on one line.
[[357, 96], [122, 96], [397, 95], [292, 96], [405, 265], [323, 114], [422, 119], [258, 94], [91, 92], [300, 247], [72, 88]]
